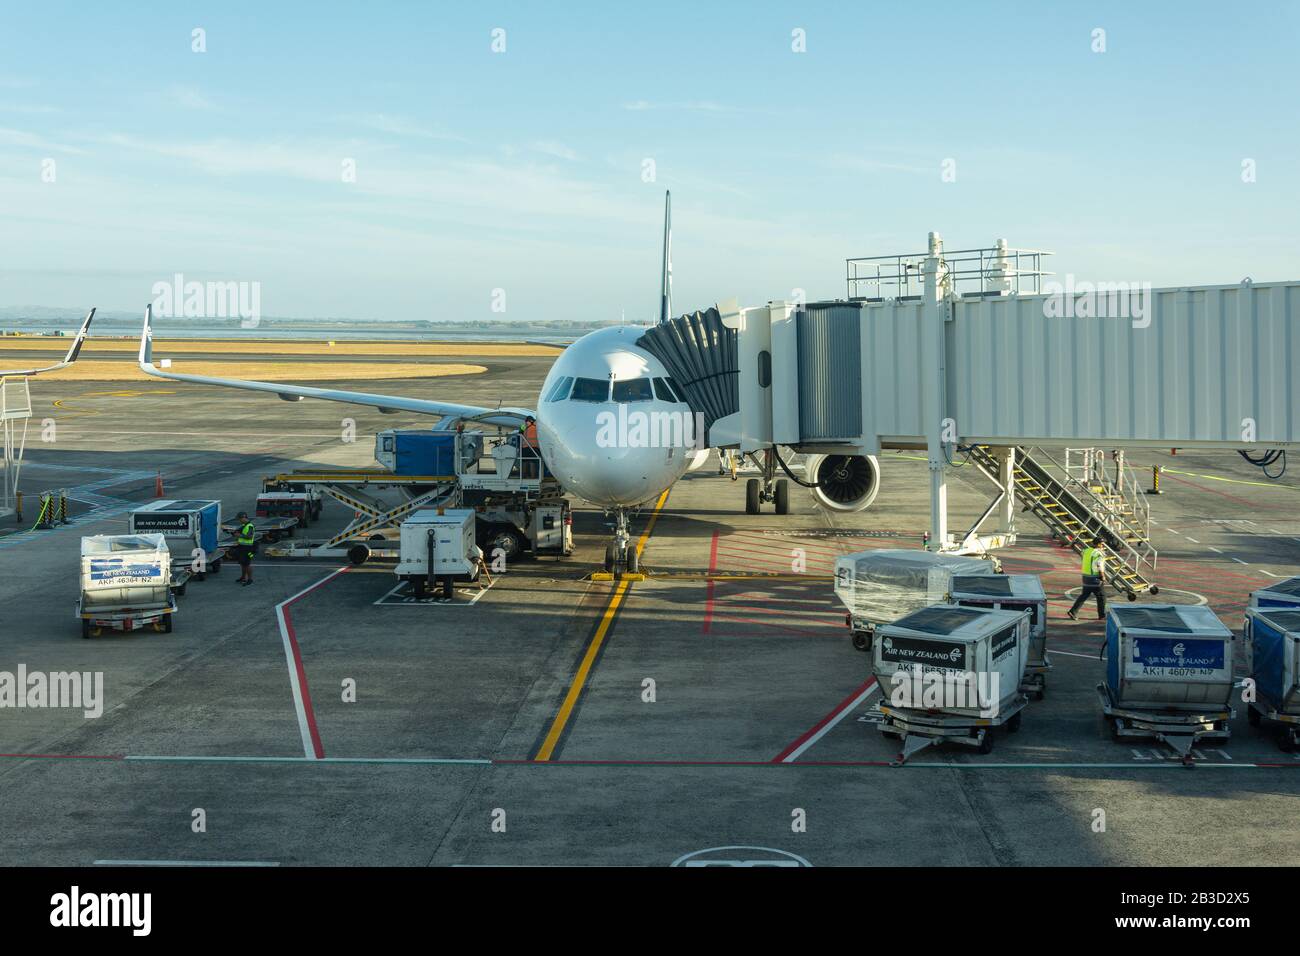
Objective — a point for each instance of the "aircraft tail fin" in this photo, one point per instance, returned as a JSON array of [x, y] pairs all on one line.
[[666, 278]]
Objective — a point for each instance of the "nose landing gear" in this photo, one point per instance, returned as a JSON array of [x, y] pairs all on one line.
[[621, 554]]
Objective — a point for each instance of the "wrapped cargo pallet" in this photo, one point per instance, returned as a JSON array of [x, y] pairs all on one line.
[[125, 570], [883, 585]]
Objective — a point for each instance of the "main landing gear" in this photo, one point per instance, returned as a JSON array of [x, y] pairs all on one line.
[[620, 554], [768, 488]]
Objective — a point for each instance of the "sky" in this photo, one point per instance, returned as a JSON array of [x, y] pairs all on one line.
[[531, 178]]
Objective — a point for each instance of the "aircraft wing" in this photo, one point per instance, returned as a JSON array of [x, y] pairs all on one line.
[[508, 417], [73, 351]]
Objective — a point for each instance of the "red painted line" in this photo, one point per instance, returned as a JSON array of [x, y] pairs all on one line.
[[691, 763], [847, 701], [316, 744], [713, 566], [308, 711]]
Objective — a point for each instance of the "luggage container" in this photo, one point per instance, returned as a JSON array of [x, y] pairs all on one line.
[[438, 548], [1168, 675], [189, 526], [420, 452], [1273, 661], [1281, 594], [950, 673], [884, 584], [125, 583], [1013, 592]]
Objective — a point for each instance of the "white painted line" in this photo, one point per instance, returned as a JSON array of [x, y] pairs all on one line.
[[1269, 573], [185, 863], [1214, 549], [1192, 540], [300, 708], [401, 584], [1275, 531], [1239, 561], [1087, 657], [1174, 531], [826, 728]]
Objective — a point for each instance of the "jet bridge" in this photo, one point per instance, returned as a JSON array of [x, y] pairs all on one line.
[[975, 352]]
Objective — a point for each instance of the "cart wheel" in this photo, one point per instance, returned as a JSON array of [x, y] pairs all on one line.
[[85, 629], [1252, 715], [180, 591], [417, 587], [1013, 725], [1040, 693], [752, 501], [273, 536], [448, 590], [216, 566], [289, 532], [200, 575], [1154, 590], [986, 745], [167, 624], [862, 640], [358, 554], [891, 734], [1286, 742]]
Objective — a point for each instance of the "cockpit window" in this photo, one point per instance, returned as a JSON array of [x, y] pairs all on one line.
[[633, 390], [590, 390], [664, 389], [560, 390]]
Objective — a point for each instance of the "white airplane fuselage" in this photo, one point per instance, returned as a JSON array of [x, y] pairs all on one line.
[[614, 453]]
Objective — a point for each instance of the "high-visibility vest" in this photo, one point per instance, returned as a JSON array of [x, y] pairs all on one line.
[[1090, 556], [246, 537]]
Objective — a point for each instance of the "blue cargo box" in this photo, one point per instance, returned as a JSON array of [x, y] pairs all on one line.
[[424, 453], [195, 520], [1282, 594], [1273, 648]]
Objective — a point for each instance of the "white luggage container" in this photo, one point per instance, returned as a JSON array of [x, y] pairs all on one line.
[[438, 548], [125, 583], [1013, 592], [950, 673]]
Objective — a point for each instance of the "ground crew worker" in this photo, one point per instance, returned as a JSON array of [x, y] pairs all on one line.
[[529, 460], [1094, 569], [245, 538]]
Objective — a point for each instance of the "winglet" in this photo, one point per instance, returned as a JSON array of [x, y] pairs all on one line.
[[146, 340], [75, 348]]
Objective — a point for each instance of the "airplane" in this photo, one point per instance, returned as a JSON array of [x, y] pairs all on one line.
[[74, 350], [604, 376]]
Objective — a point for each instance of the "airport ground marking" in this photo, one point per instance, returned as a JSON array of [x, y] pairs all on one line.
[[828, 723], [311, 742], [547, 749], [710, 586], [221, 863]]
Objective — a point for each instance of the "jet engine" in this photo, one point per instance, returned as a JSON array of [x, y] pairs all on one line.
[[843, 482]]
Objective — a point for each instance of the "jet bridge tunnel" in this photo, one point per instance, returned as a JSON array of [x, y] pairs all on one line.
[[973, 348]]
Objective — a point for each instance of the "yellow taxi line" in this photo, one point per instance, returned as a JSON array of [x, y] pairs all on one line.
[[593, 649]]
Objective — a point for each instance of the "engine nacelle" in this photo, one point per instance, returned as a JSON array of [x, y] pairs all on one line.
[[844, 482], [697, 459]]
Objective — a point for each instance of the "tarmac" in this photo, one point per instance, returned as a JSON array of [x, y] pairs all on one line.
[[717, 706]]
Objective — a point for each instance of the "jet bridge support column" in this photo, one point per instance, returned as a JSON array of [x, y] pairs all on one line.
[[932, 386]]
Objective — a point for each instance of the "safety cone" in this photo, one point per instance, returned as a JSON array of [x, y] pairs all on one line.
[[158, 486]]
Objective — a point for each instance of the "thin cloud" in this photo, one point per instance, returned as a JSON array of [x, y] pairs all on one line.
[[705, 106], [400, 126], [552, 148]]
